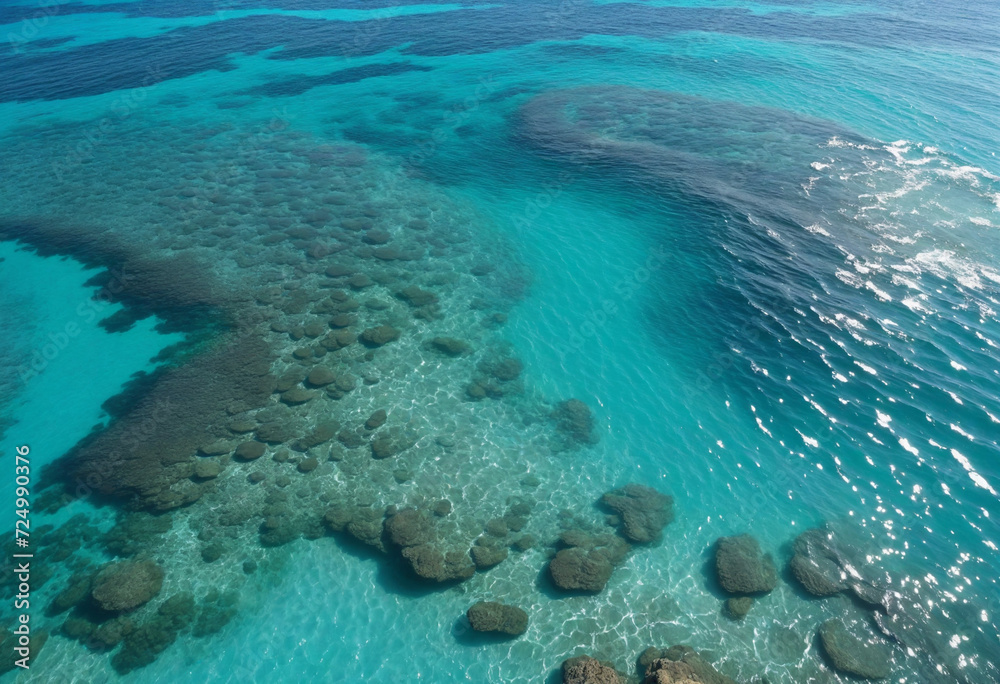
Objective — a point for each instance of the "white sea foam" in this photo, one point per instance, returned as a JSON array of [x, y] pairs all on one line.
[[818, 230]]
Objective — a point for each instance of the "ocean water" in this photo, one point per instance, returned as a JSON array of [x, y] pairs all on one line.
[[758, 240]]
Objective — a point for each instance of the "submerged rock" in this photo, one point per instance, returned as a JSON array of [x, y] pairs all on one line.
[[579, 569], [450, 346], [321, 376], [76, 591], [134, 532], [679, 665], [391, 442], [574, 420], [670, 672], [378, 336], [297, 395], [320, 434], [338, 340], [505, 370], [109, 634], [818, 575], [489, 616], [738, 607], [206, 470], [77, 628], [339, 270], [365, 525], [824, 567], [410, 527], [142, 645], [588, 562], [524, 543], [376, 236], [643, 511], [250, 451], [274, 432], [215, 448], [9, 641], [360, 281], [852, 655], [350, 438], [586, 670], [741, 566], [416, 297], [178, 611], [337, 517], [429, 562], [486, 553], [127, 585], [376, 420]]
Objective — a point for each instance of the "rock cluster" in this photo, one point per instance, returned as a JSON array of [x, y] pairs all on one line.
[[411, 533], [379, 335], [825, 567]]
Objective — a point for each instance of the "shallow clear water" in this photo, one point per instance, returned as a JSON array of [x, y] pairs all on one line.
[[757, 240]]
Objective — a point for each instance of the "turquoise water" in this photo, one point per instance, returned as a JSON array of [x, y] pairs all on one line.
[[757, 240], [56, 350]]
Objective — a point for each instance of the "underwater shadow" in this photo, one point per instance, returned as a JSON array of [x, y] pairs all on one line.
[[710, 578]]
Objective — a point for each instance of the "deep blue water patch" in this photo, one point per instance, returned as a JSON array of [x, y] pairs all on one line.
[[140, 61], [296, 85]]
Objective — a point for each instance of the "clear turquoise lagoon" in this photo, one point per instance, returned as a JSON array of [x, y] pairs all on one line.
[[325, 320]]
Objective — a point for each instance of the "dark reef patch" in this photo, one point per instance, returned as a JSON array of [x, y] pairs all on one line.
[[146, 457], [159, 420], [177, 288]]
